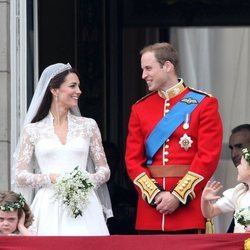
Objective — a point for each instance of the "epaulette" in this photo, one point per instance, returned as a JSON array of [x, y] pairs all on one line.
[[146, 96], [200, 91]]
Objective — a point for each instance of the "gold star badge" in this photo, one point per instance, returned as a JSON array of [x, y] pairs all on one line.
[[185, 142]]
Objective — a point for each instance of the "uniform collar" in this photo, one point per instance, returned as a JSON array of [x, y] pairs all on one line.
[[173, 91]]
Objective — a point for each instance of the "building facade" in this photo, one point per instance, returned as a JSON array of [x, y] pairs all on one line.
[[32, 37], [5, 93]]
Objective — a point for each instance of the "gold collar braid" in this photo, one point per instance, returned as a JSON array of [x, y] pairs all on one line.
[[173, 91]]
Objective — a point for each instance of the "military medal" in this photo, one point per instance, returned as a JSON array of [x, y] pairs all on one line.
[[186, 123], [185, 142]]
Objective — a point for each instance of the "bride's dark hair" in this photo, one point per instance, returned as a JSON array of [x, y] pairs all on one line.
[[54, 83]]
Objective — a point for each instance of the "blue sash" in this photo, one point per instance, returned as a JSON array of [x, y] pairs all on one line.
[[169, 123]]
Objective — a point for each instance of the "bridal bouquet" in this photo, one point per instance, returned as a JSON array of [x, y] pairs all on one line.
[[242, 216], [72, 189]]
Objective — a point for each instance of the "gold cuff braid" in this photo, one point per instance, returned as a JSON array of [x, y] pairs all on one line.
[[147, 186], [186, 186]]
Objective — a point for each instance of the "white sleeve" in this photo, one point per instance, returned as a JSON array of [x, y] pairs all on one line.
[[97, 154], [230, 200], [225, 203], [24, 176]]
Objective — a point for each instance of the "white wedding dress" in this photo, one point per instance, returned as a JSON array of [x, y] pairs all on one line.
[[234, 199], [83, 140]]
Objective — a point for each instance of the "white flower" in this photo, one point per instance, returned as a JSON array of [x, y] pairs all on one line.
[[72, 189], [242, 216]]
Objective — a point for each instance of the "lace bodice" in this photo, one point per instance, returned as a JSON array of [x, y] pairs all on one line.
[[40, 141]]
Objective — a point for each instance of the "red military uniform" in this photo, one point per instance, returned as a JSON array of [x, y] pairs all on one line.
[[204, 135]]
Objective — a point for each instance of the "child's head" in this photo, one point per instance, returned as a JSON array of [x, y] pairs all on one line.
[[244, 167], [12, 205]]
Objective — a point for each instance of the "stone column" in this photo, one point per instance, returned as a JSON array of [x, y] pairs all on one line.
[[4, 95]]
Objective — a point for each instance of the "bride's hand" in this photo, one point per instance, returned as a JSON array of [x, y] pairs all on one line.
[[53, 178]]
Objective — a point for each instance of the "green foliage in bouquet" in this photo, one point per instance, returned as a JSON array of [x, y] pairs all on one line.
[[242, 216], [73, 189]]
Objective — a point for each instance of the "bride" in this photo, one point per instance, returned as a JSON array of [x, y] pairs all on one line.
[[56, 139]]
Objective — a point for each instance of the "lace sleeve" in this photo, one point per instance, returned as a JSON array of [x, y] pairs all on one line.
[[24, 175], [97, 154]]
